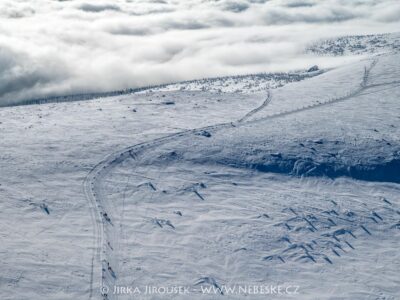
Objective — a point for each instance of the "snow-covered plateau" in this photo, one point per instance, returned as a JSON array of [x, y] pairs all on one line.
[[290, 191]]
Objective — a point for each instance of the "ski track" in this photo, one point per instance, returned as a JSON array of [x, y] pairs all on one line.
[[257, 109], [106, 234]]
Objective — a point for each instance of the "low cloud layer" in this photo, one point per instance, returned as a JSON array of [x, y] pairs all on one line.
[[50, 47]]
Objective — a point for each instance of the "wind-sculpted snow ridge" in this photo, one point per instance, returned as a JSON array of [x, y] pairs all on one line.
[[357, 44], [247, 84], [371, 160]]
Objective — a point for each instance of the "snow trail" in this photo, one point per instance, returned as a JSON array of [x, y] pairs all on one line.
[[257, 109]]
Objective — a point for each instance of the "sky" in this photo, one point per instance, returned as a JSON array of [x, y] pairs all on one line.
[[61, 47]]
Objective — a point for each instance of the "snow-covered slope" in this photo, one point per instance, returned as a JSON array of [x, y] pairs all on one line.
[[200, 200], [297, 187], [47, 151]]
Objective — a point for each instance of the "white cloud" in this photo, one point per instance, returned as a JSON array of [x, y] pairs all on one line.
[[63, 47]]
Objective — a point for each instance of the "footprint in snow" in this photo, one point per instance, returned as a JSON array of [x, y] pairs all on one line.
[[45, 208], [163, 222]]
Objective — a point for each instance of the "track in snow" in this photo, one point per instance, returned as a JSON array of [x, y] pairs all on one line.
[[257, 109]]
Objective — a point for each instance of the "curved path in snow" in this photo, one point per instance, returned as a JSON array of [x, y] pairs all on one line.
[[257, 109], [104, 272]]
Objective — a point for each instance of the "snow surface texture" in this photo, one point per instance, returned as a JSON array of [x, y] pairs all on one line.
[[208, 189], [50, 255]]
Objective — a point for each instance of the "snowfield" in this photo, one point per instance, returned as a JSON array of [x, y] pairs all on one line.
[[296, 186]]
